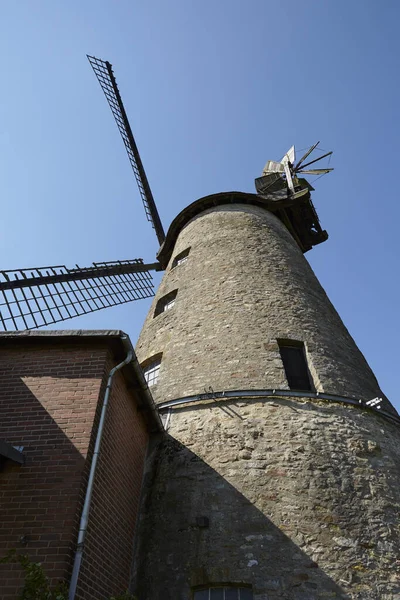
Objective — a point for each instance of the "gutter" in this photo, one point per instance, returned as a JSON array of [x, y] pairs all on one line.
[[275, 393], [130, 358]]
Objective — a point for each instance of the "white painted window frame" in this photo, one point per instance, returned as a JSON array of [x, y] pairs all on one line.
[[169, 305], [179, 261], [224, 588], [151, 372], [165, 303], [182, 260]]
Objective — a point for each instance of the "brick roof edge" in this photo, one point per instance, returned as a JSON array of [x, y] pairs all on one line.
[[113, 338]]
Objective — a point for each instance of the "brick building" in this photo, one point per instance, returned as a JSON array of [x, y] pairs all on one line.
[[52, 386]]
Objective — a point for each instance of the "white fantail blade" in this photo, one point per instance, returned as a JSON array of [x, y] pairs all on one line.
[[273, 167], [289, 179], [315, 171], [290, 156], [303, 158]]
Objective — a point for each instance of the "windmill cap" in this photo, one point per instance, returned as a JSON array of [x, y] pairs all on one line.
[[300, 231]]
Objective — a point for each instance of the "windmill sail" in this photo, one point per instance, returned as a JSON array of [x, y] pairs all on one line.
[[31, 298], [104, 73]]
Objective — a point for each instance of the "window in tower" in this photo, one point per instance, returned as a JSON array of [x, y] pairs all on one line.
[[295, 364], [151, 369], [165, 303], [180, 258], [224, 592]]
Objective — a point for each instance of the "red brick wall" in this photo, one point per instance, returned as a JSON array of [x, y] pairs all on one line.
[[108, 549], [50, 397]]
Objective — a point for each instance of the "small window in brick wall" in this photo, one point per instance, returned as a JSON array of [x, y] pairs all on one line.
[[180, 258], [151, 369], [295, 364], [225, 592], [165, 303]]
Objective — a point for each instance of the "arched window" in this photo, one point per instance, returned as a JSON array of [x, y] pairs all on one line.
[[224, 592]]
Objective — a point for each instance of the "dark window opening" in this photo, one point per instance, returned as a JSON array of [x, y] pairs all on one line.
[[10, 453], [180, 258], [165, 303], [295, 364]]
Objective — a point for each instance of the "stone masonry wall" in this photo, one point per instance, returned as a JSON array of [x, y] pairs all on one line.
[[302, 500], [298, 498], [246, 284]]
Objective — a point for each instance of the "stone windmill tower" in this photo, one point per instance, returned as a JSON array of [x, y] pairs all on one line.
[[279, 475]]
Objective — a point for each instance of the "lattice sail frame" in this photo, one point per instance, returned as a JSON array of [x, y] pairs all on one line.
[[32, 298], [104, 73]]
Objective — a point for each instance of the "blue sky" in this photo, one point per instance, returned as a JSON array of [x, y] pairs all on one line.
[[213, 89]]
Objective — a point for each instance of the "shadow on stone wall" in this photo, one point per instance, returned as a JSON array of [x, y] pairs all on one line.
[[197, 529]]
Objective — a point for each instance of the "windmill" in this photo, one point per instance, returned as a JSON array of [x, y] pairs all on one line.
[[40, 296]]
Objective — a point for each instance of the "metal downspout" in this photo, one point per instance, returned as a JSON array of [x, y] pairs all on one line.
[[89, 490]]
